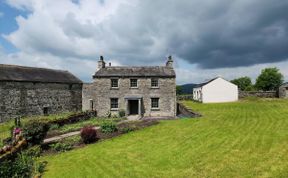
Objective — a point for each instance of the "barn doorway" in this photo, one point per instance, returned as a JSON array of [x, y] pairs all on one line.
[[133, 107]]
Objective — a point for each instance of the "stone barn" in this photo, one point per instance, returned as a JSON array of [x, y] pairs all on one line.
[[142, 91], [26, 91], [283, 90]]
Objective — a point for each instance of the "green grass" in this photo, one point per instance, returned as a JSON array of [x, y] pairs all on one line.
[[243, 139]]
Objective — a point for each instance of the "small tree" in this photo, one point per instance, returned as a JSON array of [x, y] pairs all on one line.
[[269, 79], [178, 90], [244, 83]]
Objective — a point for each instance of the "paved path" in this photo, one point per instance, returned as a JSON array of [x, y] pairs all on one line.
[[60, 137]]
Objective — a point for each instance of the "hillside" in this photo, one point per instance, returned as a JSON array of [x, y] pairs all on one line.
[[242, 139], [187, 88]]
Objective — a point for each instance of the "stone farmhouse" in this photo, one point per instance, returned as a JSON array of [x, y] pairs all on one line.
[[142, 91], [26, 91], [216, 90], [283, 90]]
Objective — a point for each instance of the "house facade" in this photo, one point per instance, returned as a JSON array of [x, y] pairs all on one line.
[[26, 91], [283, 90], [216, 90], [143, 91]]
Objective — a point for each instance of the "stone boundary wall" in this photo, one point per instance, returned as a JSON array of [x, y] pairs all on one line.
[[183, 111], [259, 94], [185, 97]]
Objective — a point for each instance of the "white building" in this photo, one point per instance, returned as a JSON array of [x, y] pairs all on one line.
[[216, 90]]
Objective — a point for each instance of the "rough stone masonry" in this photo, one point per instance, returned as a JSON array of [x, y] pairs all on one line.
[[142, 90], [26, 91]]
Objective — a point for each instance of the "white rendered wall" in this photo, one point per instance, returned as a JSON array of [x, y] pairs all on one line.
[[197, 94], [219, 91]]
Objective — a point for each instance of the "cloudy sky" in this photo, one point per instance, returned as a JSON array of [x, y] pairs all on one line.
[[206, 38]]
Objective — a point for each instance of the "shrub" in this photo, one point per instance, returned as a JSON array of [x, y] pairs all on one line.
[[127, 129], [24, 165], [34, 132], [108, 127], [88, 134], [122, 113], [61, 147]]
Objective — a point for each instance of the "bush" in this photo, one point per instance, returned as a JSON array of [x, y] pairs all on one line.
[[61, 147], [108, 127], [24, 165], [34, 132], [127, 129], [88, 134], [122, 113]]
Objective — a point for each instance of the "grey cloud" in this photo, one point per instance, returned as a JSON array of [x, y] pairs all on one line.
[[210, 34]]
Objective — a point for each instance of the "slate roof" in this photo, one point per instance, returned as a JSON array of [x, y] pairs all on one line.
[[32, 74], [119, 71], [205, 83]]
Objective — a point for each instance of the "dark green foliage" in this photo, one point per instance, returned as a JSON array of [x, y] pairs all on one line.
[[24, 165], [122, 113], [61, 147], [243, 83], [88, 134], [108, 127], [127, 129], [269, 79], [34, 132], [178, 90]]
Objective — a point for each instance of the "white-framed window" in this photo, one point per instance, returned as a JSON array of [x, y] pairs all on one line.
[[114, 83], [154, 103], [154, 82], [133, 83], [114, 103]]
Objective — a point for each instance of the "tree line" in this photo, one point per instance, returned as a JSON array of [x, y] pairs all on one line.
[[269, 80]]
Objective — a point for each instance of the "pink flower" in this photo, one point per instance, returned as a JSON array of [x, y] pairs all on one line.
[[17, 131]]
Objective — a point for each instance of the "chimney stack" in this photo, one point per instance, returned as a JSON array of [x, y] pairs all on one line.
[[169, 62], [101, 63]]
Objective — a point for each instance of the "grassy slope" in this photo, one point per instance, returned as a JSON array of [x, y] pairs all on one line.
[[244, 139]]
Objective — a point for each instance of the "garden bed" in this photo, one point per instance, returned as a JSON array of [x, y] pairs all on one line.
[[74, 142]]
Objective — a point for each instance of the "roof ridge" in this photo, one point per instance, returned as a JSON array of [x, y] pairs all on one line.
[[29, 67]]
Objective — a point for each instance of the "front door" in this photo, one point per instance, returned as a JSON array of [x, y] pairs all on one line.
[[133, 107]]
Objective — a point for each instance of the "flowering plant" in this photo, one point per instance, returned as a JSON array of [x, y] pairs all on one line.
[[17, 131]]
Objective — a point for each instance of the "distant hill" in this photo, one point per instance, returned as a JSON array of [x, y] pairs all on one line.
[[188, 88]]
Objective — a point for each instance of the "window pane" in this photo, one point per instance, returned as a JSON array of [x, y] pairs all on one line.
[[133, 83], [155, 102], [114, 83], [114, 103], [154, 82]]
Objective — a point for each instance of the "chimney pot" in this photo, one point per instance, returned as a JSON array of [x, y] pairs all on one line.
[[169, 62]]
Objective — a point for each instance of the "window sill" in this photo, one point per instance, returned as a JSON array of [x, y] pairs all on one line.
[[114, 88], [114, 109], [154, 87], [133, 87], [155, 109]]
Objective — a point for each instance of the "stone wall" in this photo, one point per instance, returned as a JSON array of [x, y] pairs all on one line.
[[259, 94], [283, 91], [102, 92], [32, 98], [185, 97], [88, 91]]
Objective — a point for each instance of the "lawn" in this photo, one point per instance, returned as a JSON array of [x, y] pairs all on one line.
[[243, 139]]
